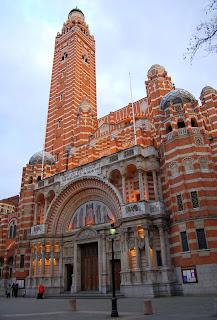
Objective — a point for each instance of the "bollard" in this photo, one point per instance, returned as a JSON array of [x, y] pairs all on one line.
[[215, 306], [147, 306], [72, 304]]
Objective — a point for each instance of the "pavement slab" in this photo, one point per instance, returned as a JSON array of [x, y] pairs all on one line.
[[170, 308]]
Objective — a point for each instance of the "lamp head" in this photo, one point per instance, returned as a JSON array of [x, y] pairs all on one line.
[[112, 229]]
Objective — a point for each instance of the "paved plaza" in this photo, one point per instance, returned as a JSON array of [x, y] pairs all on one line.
[[172, 308]]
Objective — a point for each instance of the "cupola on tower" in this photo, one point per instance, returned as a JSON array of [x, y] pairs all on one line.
[[73, 82]]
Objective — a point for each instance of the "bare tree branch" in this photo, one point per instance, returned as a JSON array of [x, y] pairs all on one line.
[[205, 36]]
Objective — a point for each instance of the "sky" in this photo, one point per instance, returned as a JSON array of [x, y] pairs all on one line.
[[130, 35]]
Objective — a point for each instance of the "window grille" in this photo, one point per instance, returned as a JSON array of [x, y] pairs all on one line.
[[114, 157], [194, 199], [128, 153], [179, 202], [136, 185]]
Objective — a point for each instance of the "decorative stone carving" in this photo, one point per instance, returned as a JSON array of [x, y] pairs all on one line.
[[132, 208], [68, 249], [141, 243], [131, 243], [86, 234], [199, 141], [47, 255], [56, 255], [37, 229], [33, 256]]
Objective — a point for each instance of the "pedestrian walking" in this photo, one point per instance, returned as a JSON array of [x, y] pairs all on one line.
[[8, 291], [40, 292], [13, 290], [16, 290]]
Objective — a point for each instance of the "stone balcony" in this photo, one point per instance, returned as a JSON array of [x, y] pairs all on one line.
[[152, 208], [143, 207]]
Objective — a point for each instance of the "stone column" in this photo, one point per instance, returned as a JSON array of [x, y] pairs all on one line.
[[155, 185], [42, 260], [129, 191], [122, 258], [30, 262], [169, 262], [51, 260], [162, 245], [127, 262], [104, 264], [141, 184], [146, 186], [123, 187], [45, 207], [36, 262], [75, 268], [137, 250], [147, 245], [160, 186], [36, 213], [138, 270], [61, 260], [100, 264]]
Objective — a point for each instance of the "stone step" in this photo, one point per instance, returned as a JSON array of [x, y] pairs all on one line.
[[83, 295]]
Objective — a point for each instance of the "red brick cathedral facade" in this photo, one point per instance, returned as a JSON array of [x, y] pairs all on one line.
[[160, 190]]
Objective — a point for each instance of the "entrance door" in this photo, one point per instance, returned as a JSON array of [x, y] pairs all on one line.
[[69, 271], [89, 267], [117, 270]]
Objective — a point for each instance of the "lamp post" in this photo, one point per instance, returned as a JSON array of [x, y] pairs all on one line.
[[114, 299]]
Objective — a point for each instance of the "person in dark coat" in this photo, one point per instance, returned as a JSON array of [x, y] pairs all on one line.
[[13, 290], [16, 290]]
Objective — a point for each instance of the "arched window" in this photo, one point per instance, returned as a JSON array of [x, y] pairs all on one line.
[[13, 229], [168, 128], [181, 124], [174, 169], [188, 164], [203, 164], [193, 123], [64, 56]]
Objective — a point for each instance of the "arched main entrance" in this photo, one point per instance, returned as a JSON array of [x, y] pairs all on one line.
[[81, 214]]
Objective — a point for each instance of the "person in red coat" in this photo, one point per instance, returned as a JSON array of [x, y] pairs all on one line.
[[40, 292]]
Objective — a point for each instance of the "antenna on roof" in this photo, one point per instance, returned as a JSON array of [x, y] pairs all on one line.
[[134, 124]]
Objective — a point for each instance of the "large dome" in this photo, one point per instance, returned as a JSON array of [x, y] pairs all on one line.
[[176, 96], [38, 156], [156, 68]]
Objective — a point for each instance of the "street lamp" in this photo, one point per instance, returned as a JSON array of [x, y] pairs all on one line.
[[114, 299]]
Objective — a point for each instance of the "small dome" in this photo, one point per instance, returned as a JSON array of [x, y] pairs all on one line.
[[176, 96], [38, 156], [206, 90], [84, 107], [156, 68], [74, 11]]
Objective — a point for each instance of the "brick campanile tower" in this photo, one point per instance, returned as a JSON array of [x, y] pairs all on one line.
[[72, 111]]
